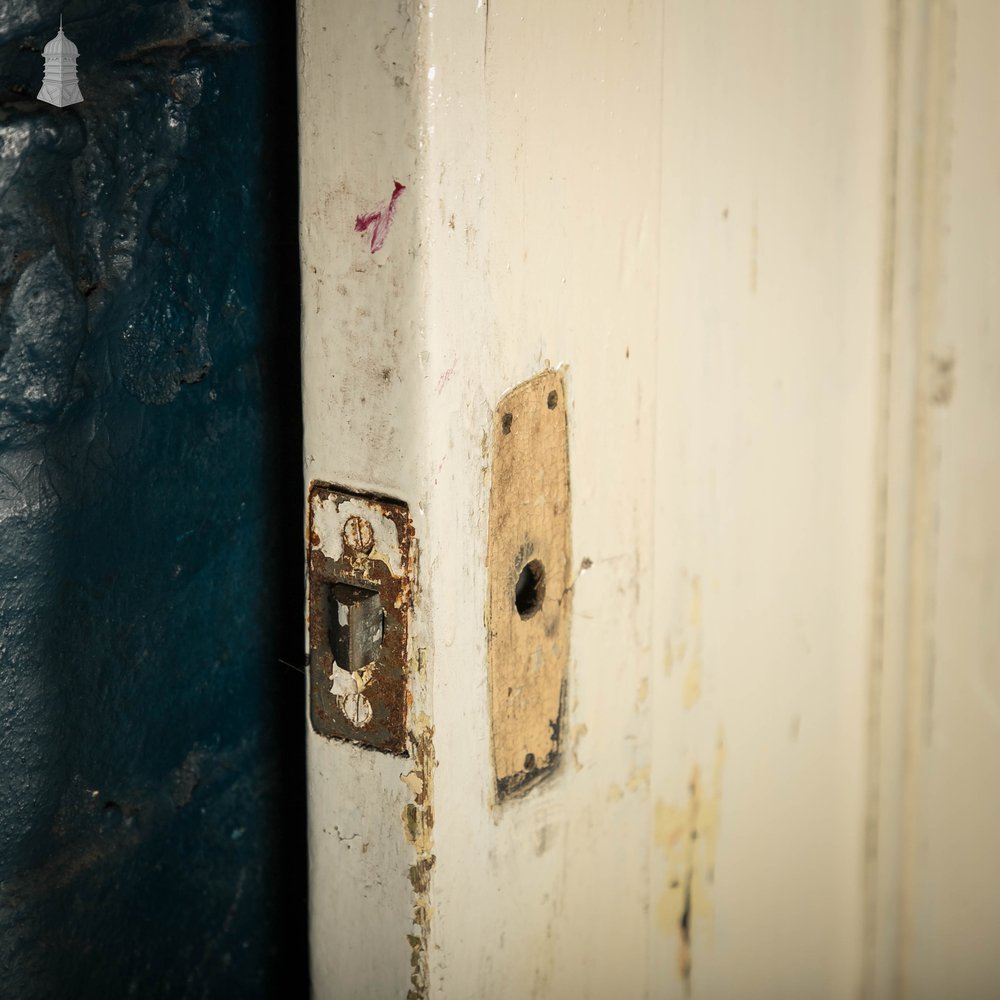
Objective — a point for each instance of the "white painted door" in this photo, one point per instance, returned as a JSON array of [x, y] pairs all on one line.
[[754, 245]]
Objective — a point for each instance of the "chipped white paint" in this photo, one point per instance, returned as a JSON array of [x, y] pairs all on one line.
[[343, 683], [330, 518], [357, 708], [758, 236]]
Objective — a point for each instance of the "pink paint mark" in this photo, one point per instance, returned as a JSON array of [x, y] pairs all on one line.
[[443, 380], [381, 220]]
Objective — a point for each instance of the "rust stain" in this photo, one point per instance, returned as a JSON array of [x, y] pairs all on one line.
[[687, 835], [384, 681]]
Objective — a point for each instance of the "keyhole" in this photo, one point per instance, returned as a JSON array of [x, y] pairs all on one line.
[[529, 591]]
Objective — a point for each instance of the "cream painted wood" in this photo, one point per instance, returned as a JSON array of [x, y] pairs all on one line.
[[364, 369], [938, 813], [773, 156], [760, 239]]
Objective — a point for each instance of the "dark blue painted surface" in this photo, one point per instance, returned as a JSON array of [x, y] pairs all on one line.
[[151, 800]]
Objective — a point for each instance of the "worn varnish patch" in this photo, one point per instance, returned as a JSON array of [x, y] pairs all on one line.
[[529, 592]]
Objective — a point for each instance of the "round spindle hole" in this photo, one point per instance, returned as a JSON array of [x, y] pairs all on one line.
[[529, 591]]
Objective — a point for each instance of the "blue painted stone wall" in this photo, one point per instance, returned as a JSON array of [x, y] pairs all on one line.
[[151, 802]]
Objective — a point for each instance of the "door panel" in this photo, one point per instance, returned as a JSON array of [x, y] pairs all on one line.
[[720, 224]]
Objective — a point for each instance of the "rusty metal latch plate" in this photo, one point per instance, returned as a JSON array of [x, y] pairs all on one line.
[[529, 591], [359, 614]]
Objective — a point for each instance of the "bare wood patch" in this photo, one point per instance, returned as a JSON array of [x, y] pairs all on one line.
[[529, 594]]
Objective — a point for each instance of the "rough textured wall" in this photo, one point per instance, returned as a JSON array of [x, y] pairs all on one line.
[[150, 765]]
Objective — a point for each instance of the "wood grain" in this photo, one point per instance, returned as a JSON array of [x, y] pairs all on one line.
[[529, 534]]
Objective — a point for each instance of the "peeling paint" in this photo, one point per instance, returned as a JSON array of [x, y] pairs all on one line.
[[418, 826], [687, 835], [328, 524]]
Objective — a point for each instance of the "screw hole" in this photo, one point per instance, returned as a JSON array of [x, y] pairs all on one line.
[[553, 399], [508, 419], [529, 762], [529, 591]]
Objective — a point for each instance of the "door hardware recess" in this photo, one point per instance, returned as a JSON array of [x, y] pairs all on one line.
[[529, 594], [359, 611]]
